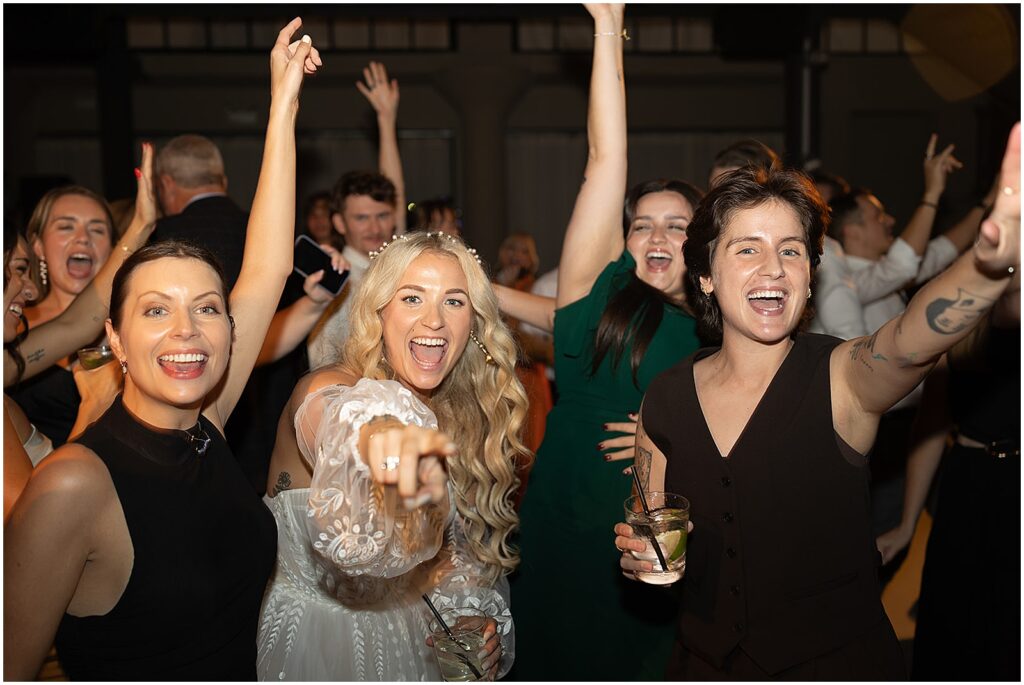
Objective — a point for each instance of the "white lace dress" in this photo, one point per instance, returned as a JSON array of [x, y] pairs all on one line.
[[344, 601]]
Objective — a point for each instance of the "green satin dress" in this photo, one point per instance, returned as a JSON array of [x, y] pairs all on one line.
[[576, 616]]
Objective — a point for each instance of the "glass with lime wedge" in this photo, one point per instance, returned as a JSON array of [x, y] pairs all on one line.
[[666, 523]]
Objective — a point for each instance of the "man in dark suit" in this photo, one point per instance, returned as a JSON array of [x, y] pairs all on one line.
[[192, 188]]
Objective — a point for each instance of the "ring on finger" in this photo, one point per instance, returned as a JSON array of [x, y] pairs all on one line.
[[391, 462]]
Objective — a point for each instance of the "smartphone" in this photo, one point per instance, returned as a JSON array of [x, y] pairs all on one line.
[[310, 258]]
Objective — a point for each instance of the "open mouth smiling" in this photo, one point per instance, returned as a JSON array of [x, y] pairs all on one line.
[[768, 301], [428, 352]]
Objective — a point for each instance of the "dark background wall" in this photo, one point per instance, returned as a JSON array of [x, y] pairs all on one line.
[[493, 106]]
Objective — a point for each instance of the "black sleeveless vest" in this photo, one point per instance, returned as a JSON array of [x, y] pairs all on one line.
[[204, 546], [781, 561]]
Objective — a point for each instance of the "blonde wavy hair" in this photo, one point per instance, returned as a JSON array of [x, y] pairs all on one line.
[[480, 404]]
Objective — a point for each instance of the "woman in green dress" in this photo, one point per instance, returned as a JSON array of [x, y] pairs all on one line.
[[620, 320]]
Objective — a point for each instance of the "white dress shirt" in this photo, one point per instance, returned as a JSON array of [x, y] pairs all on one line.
[[857, 296]]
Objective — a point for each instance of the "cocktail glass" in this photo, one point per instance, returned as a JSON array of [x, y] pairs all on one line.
[[457, 654], [95, 357], [666, 523]]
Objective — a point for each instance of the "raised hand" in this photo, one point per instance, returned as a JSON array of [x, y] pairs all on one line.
[[409, 456], [382, 94], [289, 62], [998, 247], [145, 198], [937, 167]]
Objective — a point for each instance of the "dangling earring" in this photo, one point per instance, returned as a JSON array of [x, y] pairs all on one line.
[[472, 336], [43, 272], [124, 366], [808, 293]]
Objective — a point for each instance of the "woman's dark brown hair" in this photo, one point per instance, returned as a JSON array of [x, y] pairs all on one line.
[[170, 248], [634, 312], [743, 189]]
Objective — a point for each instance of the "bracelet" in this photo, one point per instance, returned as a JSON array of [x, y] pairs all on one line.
[[926, 203], [624, 35]]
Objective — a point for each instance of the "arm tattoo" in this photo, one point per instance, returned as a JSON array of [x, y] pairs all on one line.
[[36, 356], [866, 346], [284, 482], [642, 464], [949, 317]]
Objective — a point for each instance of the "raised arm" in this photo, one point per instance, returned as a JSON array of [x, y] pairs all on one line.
[[82, 322], [536, 310], [871, 374], [383, 96], [594, 235], [937, 168], [291, 325], [267, 260]]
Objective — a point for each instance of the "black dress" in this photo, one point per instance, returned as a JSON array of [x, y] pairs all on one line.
[[968, 620], [781, 578], [50, 401], [204, 547]]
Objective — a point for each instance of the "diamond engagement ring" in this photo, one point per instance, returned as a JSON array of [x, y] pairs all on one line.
[[390, 463]]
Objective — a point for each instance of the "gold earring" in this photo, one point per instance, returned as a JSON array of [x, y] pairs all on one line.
[[43, 272], [472, 336], [124, 366], [808, 293]]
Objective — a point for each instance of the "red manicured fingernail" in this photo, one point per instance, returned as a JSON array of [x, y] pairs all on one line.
[[600, 445], [138, 172], [605, 425], [608, 457]]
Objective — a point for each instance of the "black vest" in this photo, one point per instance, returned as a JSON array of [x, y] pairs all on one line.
[[781, 561]]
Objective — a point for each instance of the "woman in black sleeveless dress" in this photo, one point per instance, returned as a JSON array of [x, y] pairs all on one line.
[[142, 547], [765, 434]]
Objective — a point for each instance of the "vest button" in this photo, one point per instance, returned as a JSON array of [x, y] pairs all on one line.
[[726, 481], [730, 552], [735, 590], [727, 517], [738, 627]]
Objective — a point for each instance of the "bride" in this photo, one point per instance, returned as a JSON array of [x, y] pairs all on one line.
[[374, 505]]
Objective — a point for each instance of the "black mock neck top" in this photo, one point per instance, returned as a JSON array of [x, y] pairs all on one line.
[[204, 547]]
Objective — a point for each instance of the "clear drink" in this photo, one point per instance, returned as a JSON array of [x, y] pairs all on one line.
[[457, 654], [454, 658], [95, 357], [667, 524]]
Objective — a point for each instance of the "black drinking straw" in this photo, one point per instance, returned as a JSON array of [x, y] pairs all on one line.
[[448, 632], [647, 512]]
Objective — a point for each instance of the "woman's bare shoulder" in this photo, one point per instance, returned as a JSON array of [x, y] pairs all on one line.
[[73, 476]]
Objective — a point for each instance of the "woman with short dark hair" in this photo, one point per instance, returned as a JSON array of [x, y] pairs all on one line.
[[767, 435]]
